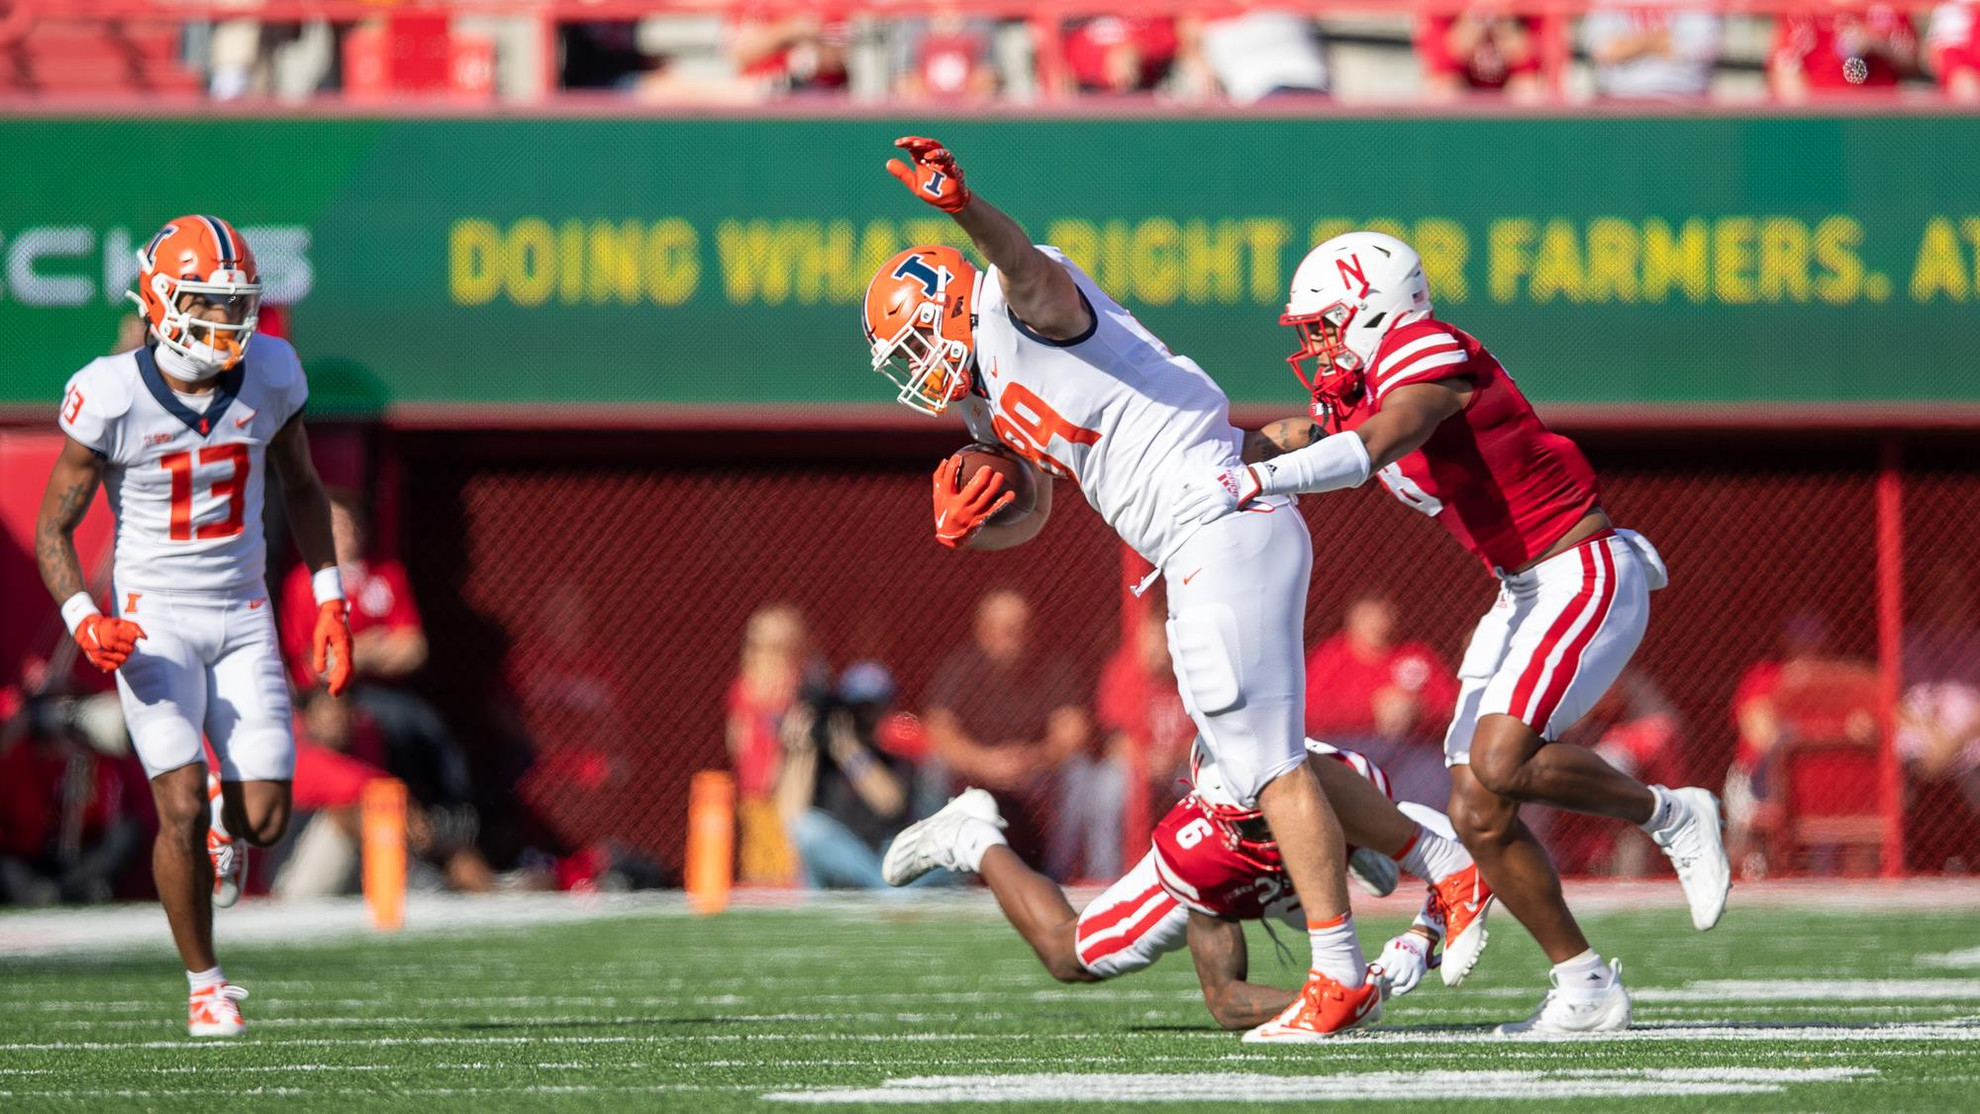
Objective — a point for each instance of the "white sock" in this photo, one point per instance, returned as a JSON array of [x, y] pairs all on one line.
[[205, 980], [215, 801], [1666, 812], [1337, 950], [975, 838], [1584, 975], [1433, 858]]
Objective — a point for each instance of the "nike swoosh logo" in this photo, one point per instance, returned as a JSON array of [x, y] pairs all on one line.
[[1191, 576], [255, 605], [241, 423]]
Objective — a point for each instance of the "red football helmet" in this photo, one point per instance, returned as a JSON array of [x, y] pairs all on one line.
[[198, 263], [1241, 827], [920, 318]]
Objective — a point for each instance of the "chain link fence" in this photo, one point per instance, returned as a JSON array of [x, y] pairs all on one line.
[[588, 596]]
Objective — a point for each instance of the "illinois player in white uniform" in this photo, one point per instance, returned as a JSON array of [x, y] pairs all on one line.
[[1035, 355], [1424, 405], [180, 433]]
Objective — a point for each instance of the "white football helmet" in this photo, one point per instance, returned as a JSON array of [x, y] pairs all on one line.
[[1346, 295]]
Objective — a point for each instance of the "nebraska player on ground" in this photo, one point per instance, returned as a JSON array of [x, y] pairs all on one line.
[[1032, 353], [1211, 866], [1422, 404], [178, 432]]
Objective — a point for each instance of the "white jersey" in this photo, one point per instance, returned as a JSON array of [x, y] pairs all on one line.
[[184, 484], [1114, 410]]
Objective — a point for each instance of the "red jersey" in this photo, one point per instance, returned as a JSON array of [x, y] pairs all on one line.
[[1502, 483], [1213, 867]]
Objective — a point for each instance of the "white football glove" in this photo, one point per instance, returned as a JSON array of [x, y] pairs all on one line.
[[1223, 492], [1402, 965]]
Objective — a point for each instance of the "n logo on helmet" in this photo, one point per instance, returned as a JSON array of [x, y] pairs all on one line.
[[1351, 272], [933, 280]]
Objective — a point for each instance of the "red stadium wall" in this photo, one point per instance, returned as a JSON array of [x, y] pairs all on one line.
[[587, 592]]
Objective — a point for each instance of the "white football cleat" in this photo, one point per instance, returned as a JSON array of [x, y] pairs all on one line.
[[1565, 1013], [213, 1012], [1696, 846], [927, 844], [1377, 873]]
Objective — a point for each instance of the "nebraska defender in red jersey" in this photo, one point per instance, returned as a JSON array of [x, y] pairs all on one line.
[[1421, 403], [1212, 865]]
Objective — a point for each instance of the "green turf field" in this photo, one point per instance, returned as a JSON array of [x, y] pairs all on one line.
[[1775, 1010]]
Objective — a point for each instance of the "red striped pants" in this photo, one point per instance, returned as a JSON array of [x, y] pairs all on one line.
[[1558, 637]]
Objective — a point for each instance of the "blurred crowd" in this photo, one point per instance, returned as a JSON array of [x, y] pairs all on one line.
[[725, 56], [830, 767]]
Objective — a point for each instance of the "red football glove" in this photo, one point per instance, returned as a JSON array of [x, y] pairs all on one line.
[[961, 511], [330, 645], [934, 177], [107, 641]]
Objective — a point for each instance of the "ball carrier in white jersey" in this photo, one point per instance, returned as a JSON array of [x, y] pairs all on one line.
[[1035, 355], [179, 432]]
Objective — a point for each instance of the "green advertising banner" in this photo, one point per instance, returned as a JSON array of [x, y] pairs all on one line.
[[630, 261]]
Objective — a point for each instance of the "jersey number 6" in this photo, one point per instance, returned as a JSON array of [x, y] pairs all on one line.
[[232, 487]]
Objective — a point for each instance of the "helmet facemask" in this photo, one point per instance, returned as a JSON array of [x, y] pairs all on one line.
[[930, 369], [1336, 381], [209, 343]]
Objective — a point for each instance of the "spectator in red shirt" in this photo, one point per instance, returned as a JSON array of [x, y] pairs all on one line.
[[1952, 43], [792, 54], [1855, 49], [1141, 710], [1480, 50], [1120, 54], [1007, 715], [1391, 701], [777, 663], [388, 649], [66, 826], [948, 57]]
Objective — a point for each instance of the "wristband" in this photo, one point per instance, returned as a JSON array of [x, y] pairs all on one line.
[[77, 608], [1330, 464], [326, 584]]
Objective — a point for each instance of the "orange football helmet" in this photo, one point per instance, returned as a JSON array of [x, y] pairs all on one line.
[[198, 262], [920, 318]]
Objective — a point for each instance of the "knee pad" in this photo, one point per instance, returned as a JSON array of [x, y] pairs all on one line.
[[1203, 645]]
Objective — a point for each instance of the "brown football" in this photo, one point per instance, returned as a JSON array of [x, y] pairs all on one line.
[[1017, 478]]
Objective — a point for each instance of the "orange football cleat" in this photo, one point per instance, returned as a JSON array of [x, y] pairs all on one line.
[[1324, 1009], [214, 1012], [1463, 899]]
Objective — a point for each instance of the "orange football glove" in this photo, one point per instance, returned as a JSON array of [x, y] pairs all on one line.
[[107, 641], [960, 511], [331, 647], [934, 177]]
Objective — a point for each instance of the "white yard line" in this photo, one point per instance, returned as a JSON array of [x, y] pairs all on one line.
[[1233, 1087]]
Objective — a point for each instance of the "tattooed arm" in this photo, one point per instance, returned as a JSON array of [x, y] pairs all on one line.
[[71, 485], [1217, 946], [1282, 436]]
